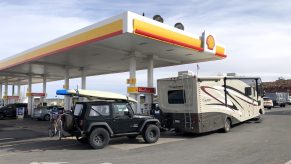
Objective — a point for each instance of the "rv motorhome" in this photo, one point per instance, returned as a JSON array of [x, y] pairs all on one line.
[[203, 104]]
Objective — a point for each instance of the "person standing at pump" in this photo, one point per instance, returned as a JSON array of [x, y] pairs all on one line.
[[156, 112]]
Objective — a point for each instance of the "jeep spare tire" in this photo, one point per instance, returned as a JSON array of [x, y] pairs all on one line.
[[99, 138], [68, 122], [151, 134]]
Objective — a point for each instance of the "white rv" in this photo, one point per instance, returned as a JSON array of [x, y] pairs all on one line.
[[203, 104]]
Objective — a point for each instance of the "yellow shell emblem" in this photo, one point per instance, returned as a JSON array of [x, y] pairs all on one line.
[[210, 42]]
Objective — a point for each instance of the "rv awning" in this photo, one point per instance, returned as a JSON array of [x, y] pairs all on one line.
[[106, 47]]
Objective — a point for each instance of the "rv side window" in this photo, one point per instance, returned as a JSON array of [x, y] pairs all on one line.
[[176, 97], [248, 91]]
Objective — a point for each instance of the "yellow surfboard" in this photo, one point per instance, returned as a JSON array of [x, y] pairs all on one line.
[[100, 94]]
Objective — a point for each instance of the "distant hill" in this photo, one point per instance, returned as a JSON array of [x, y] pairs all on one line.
[[278, 86]]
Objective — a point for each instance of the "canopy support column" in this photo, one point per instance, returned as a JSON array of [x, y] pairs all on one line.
[[43, 88], [150, 80], [132, 75], [13, 90], [6, 91], [18, 90], [29, 103], [83, 79], [67, 105], [1, 95]]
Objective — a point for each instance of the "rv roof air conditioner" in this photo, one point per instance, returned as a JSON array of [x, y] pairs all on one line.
[[185, 73]]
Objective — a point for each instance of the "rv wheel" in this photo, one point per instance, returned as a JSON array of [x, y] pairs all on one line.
[[259, 119], [227, 125]]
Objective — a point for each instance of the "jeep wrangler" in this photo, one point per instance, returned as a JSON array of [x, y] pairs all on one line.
[[96, 122]]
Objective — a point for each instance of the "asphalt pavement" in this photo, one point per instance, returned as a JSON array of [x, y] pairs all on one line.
[[26, 142]]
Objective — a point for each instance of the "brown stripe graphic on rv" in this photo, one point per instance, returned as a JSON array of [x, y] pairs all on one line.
[[233, 107]]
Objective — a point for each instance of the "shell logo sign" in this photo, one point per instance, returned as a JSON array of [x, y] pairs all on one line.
[[210, 42], [147, 90]]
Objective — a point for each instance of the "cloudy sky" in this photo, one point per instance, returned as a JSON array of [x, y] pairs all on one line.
[[255, 33]]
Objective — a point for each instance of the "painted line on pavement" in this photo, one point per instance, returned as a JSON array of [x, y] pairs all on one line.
[[49, 162], [131, 146], [3, 139], [5, 146], [2, 155]]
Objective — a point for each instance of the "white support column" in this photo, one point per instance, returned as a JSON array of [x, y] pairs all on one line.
[[29, 103], [83, 79], [43, 88], [13, 90], [6, 91], [19, 90], [150, 78], [67, 105], [1, 94], [132, 75]]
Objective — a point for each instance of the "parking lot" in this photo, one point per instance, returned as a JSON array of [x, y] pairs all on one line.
[[267, 142]]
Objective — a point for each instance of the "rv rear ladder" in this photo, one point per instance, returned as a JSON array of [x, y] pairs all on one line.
[[188, 121]]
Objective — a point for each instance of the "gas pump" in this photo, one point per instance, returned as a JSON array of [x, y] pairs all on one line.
[[36, 101], [146, 103]]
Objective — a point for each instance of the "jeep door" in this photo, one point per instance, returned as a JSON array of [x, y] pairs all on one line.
[[123, 122]]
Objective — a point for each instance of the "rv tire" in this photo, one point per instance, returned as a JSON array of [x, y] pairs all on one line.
[[259, 119], [227, 125]]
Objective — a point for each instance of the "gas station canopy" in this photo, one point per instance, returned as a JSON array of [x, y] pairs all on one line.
[[107, 46]]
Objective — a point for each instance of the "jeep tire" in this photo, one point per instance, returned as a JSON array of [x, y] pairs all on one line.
[[151, 133], [99, 138]]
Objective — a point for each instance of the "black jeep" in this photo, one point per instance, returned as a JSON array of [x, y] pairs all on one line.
[[96, 122]]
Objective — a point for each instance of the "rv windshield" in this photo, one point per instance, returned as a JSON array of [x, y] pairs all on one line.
[[260, 88]]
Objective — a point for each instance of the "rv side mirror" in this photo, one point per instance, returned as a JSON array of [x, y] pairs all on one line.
[[259, 102], [248, 91]]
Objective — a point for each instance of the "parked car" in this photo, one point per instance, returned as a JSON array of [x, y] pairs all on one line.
[[268, 103], [279, 98], [289, 100], [9, 111], [44, 113]]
